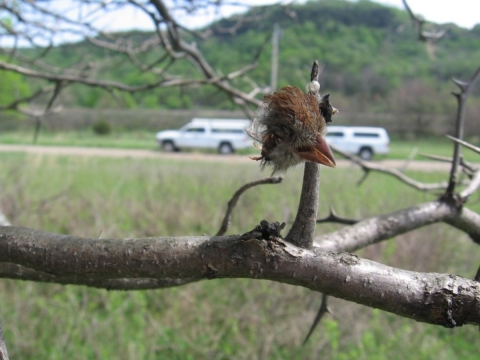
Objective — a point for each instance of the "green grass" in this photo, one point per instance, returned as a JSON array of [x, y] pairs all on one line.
[[117, 139], [399, 149], [219, 319]]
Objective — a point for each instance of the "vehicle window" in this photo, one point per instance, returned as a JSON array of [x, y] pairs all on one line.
[[368, 135], [335, 134], [196, 130], [228, 131]]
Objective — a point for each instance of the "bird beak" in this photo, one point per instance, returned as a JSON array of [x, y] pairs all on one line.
[[320, 153]]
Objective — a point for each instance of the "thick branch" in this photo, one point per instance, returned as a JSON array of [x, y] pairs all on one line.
[[440, 299], [373, 230], [467, 221]]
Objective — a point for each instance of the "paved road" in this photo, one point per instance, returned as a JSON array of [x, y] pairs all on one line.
[[134, 153]]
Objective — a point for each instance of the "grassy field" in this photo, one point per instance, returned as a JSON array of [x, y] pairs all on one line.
[[218, 319], [400, 149]]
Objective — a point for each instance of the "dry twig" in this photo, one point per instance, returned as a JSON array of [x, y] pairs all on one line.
[[370, 166], [233, 201]]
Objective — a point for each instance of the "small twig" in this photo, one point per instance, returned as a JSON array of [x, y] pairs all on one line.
[[334, 218], [423, 35], [466, 166], [466, 89], [436, 157], [473, 186], [412, 155], [477, 275], [233, 201], [366, 172], [322, 311], [314, 72], [464, 143], [369, 166]]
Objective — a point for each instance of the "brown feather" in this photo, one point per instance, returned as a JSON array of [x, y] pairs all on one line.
[[287, 124]]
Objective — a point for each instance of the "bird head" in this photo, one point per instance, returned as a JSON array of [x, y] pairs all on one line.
[[291, 128]]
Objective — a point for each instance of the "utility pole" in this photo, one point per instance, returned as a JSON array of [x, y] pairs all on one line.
[[275, 41]]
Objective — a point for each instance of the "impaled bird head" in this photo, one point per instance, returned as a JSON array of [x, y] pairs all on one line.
[[291, 129]]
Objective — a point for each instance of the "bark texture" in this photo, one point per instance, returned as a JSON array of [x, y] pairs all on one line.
[[440, 299]]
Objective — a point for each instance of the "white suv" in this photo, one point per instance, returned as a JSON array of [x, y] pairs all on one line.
[[224, 135], [360, 140]]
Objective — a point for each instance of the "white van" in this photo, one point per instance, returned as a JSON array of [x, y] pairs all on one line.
[[222, 134], [359, 140]]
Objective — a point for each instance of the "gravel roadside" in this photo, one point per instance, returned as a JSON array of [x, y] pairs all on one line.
[[135, 153]]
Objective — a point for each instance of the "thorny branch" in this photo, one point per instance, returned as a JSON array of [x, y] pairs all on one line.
[[334, 218], [233, 201], [440, 299], [367, 167], [466, 89], [321, 312], [163, 262]]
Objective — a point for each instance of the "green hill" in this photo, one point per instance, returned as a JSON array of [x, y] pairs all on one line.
[[369, 53]]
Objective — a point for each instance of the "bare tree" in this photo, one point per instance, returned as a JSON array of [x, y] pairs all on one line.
[[42, 25], [324, 264]]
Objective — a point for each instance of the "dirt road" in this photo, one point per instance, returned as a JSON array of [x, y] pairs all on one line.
[[134, 153]]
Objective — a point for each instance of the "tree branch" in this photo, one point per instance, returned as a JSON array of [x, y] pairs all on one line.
[[18, 272], [334, 218], [467, 221], [466, 89], [440, 299], [379, 228], [302, 231], [423, 35], [233, 201], [369, 166], [321, 312]]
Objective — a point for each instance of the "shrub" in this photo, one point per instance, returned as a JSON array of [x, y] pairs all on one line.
[[101, 127]]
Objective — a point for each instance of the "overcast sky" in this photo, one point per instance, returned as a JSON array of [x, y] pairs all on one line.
[[464, 13]]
